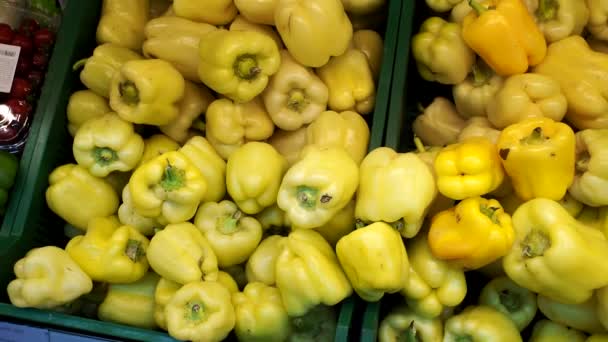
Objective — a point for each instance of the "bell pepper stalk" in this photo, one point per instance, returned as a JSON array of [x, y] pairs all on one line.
[[479, 127], [597, 24], [340, 225], [458, 177], [169, 186], [538, 260], [147, 92], [78, 197], [472, 96], [350, 82], [182, 254], [440, 52], [583, 316], [289, 143], [122, 23], [518, 303], [253, 176], [84, 105], [132, 303], [538, 155], [439, 123], [156, 145], [261, 264], [47, 277], [434, 284], [9, 165], [200, 311], [602, 305], [371, 44], [164, 291], [240, 23], [128, 216], [386, 177], [590, 176], [308, 41], [442, 5], [549, 331], [308, 259], [403, 324], [318, 186], [558, 19], [478, 323], [260, 315], [231, 124], [232, 235], [241, 65], [295, 95], [210, 164], [257, 11], [109, 252], [106, 144], [216, 12], [473, 234]]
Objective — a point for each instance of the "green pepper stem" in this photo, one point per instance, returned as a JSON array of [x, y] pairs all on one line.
[[419, 145], [195, 311], [129, 93], [536, 137], [173, 178], [535, 244], [104, 156], [547, 10], [490, 212], [230, 224], [481, 73], [134, 250], [246, 67], [307, 196], [297, 100], [411, 334], [477, 7], [79, 64]]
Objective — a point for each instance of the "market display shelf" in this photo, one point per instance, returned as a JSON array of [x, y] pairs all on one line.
[[29, 223]]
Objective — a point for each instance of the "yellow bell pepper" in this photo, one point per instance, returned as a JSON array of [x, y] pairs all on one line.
[[78, 197], [439, 124], [109, 252], [253, 176], [371, 44], [295, 96], [472, 96], [591, 177], [468, 169], [200, 312], [504, 35], [228, 282], [573, 206], [129, 217], [594, 218], [210, 164], [46, 278], [169, 186], [347, 129], [215, 12], [350, 82], [581, 316], [472, 234], [554, 255], [165, 289], [257, 11], [232, 124], [442, 5], [241, 64], [308, 273], [479, 127], [402, 321], [261, 264], [527, 96], [106, 144], [157, 145], [602, 305], [559, 19], [289, 143], [131, 304], [598, 20], [83, 106], [314, 30], [232, 235], [374, 260], [260, 315], [318, 186], [340, 225], [434, 284], [481, 323], [549, 331], [362, 7], [147, 92], [182, 254], [538, 155], [122, 23], [175, 40], [240, 23], [387, 180]]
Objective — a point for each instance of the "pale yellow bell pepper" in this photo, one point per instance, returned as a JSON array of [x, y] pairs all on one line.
[[289, 143], [165, 289], [210, 164], [240, 23], [371, 44], [439, 124], [472, 96], [261, 264], [215, 12], [340, 225], [122, 23], [479, 126], [598, 19], [257, 11], [85, 105], [128, 216], [156, 145], [362, 7]]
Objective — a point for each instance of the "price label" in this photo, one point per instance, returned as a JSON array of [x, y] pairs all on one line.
[[9, 57]]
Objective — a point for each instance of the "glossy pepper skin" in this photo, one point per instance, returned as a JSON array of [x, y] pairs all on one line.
[[518, 303], [386, 177], [340, 225], [147, 92], [182, 254], [402, 321], [215, 12], [549, 331], [472, 96], [479, 127], [598, 20], [583, 316], [538, 155], [253, 176], [47, 277], [261, 264], [131, 304], [85, 105], [439, 123], [350, 82], [232, 235], [543, 259], [9, 164], [560, 19], [473, 234], [591, 177], [257, 11], [481, 323], [231, 124], [157, 145], [308, 273], [210, 164], [200, 311], [295, 95], [318, 186], [240, 23], [129, 217], [109, 252], [374, 260], [468, 169], [78, 197], [304, 27], [122, 23], [433, 284], [241, 65], [106, 144], [527, 96], [260, 315], [371, 44], [504, 35], [169, 187], [442, 5], [164, 291]]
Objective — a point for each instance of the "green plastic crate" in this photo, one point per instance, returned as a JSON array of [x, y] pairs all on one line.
[[29, 223]]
